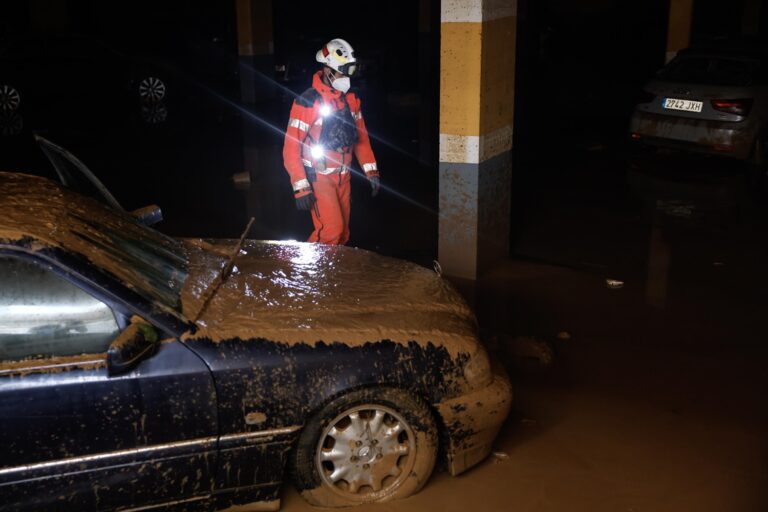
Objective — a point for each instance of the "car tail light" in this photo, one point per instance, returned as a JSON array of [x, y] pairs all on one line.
[[723, 148], [737, 107]]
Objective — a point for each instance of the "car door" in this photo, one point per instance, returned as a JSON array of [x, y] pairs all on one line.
[[75, 437]]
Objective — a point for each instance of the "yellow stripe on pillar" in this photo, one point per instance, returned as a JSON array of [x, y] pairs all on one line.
[[254, 27], [477, 76], [679, 27], [460, 75], [498, 90]]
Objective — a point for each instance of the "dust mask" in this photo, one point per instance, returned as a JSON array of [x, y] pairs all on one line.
[[341, 84]]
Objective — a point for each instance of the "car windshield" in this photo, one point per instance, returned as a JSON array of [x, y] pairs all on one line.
[[152, 264], [710, 71]]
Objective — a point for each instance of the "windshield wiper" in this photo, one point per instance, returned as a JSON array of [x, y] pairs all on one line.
[[223, 274]]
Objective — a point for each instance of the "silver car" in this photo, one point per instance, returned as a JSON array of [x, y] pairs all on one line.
[[708, 102]]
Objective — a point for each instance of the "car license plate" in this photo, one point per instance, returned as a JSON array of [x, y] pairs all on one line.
[[686, 105]]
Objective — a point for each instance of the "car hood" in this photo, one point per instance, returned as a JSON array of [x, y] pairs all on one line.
[[308, 293]]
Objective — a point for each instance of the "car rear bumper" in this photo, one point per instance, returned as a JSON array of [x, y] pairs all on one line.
[[473, 420], [734, 139]]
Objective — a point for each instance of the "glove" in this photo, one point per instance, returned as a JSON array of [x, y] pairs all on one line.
[[375, 185], [306, 202]]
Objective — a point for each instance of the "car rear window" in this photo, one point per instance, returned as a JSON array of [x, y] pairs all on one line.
[[711, 71]]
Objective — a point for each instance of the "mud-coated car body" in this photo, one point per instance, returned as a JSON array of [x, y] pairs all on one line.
[[139, 371], [707, 101]]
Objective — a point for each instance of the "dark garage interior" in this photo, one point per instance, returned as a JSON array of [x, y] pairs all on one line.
[[615, 260]]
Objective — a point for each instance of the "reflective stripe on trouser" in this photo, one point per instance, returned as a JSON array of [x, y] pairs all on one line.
[[330, 215]]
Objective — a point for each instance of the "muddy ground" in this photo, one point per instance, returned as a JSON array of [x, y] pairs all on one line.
[[641, 411]]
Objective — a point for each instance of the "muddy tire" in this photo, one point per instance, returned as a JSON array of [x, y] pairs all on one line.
[[371, 445]]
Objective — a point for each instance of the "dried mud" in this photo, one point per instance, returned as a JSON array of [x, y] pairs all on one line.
[[53, 364], [52, 217]]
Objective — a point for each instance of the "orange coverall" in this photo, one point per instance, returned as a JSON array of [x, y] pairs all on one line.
[[330, 214]]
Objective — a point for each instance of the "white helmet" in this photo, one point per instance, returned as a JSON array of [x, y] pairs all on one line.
[[338, 54]]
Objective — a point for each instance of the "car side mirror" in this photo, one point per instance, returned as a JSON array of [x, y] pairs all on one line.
[[148, 215], [138, 341]]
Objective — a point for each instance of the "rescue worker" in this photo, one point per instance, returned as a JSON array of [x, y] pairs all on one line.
[[325, 127]]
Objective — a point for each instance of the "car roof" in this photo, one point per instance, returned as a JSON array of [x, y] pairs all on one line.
[[55, 217], [29, 205]]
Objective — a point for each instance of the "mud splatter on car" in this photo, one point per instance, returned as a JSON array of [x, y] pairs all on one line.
[[352, 370]]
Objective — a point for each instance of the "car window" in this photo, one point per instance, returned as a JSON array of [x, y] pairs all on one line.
[[710, 71], [153, 264], [44, 315]]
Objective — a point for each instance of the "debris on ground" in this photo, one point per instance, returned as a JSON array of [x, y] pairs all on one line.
[[564, 336], [500, 456], [614, 284], [242, 178]]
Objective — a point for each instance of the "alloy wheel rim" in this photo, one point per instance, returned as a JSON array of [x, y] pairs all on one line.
[[366, 452], [151, 89], [10, 99]]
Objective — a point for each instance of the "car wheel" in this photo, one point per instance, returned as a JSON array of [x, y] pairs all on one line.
[[10, 99], [151, 90], [11, 123], [370, 445]]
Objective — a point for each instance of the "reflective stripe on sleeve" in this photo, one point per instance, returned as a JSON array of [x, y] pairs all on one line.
[[357, 115], [306, 163], [299, 185], [298, 123], [370, 167]]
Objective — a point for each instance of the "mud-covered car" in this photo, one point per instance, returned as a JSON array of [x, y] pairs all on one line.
[[140, 370], [711, 101]]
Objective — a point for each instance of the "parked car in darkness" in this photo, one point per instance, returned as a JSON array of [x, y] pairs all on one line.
[[707, 101], [48, 76], [138, 370]]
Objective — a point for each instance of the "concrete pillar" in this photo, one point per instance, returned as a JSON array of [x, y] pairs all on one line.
[[679, 27], [426, 92], [751, 18], [255, 43], [257, 70], [477, 90]]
